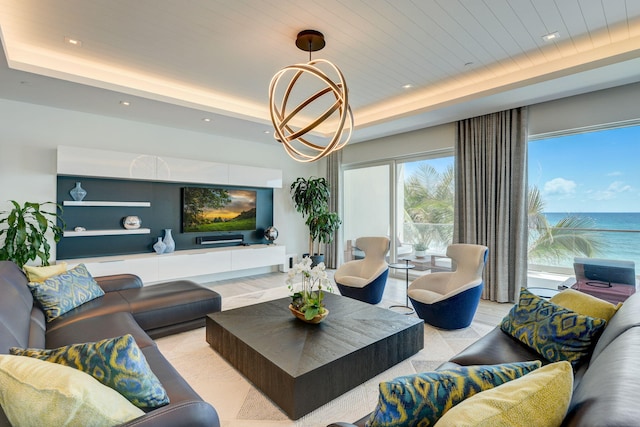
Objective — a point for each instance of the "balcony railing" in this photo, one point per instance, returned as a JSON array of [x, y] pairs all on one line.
[[610, 244], [621, 244]]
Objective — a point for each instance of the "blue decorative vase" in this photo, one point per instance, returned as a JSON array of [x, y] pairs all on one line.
[[78, 193], [159, 246], [168, 241]]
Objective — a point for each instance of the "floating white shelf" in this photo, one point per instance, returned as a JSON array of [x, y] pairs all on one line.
[[106, 203], [106, 232]]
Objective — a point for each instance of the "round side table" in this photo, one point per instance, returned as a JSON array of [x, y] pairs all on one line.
[[407, 309]]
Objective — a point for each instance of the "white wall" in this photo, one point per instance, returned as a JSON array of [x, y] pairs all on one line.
[[405, 144], [29, 135]]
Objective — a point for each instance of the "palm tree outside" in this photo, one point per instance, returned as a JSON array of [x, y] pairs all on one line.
[[568, 237], [429, 214]]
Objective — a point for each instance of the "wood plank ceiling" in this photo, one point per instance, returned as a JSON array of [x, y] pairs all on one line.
[[218, 56]]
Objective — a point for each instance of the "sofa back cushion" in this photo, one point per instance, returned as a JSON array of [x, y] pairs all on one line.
[[607, 394], [18, 316], [625, 318]]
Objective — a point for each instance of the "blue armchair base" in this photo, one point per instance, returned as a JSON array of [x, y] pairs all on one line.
[[372, 293], [453, 313]]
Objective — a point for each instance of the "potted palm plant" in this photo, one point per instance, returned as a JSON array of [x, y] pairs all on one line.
[[24, 237], [311, 198]]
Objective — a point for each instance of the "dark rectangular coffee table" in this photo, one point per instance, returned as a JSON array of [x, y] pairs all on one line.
[[300, 366]]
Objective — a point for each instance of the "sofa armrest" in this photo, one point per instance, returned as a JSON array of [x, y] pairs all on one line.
[[119, 282]]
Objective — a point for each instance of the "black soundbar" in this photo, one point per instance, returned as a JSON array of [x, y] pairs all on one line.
[[216, 240]]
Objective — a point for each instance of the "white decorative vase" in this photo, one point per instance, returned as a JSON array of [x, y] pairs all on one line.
[[168, 241], [159, 246], [78, 193]]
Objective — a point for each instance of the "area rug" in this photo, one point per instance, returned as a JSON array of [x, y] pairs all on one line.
[[240, 404]]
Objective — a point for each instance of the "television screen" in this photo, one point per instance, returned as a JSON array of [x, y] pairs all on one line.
[[218, 209]]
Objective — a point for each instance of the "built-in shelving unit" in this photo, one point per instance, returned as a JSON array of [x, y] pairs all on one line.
[[105, 232], [109, 232], [153, 185], [100, 203]]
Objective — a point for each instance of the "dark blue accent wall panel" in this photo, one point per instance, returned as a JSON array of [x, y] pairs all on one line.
[[165, 212]]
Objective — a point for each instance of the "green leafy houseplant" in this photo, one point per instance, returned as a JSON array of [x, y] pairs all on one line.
[[23, 234], [311, 199], [308, 299]]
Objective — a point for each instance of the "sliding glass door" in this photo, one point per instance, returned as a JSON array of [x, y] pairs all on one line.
[[408, 200], [425, 196]]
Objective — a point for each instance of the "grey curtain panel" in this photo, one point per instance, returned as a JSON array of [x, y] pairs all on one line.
[[334, 249], [491, 197]]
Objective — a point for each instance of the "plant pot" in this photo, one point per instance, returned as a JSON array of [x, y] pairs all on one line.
[[317, 319], [421, 254], [316, 259]]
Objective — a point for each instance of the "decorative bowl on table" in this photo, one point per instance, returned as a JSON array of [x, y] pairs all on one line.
[[316, 319]]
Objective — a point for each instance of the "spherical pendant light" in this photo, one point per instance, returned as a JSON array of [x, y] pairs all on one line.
[[295, 139]]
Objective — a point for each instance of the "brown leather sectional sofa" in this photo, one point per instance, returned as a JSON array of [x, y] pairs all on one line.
[[606, 388], [126, 308]]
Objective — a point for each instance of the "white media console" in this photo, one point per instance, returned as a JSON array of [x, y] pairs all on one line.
[[153, 268]]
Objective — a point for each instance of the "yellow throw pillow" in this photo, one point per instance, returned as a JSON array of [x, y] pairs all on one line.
[[585, 304], [38, 393], [40, 274], [540, 398]]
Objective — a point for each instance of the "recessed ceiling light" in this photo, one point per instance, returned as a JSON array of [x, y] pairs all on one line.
[[551, 36], [266, 132], [407, 86], [125, 103], [206, 119], [73, 42]]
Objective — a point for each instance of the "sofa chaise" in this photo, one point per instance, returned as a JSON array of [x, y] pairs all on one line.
[[605, 385], [127, 307]]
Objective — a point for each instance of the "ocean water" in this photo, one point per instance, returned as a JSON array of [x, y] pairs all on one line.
[[623, 244]]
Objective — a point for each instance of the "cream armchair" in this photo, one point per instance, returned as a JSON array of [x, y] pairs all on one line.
[[365, 279], [449, 300]]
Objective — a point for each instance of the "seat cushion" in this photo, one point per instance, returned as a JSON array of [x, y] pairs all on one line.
[[170, 303], [494, 348], [354, 281], [425, 296], [54, 395], [115, 362], [97, 328]]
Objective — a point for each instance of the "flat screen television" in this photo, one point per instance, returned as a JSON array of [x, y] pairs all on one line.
[[218, 209], [604, 272]]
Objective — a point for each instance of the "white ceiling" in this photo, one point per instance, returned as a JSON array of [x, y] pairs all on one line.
[[180, 61]]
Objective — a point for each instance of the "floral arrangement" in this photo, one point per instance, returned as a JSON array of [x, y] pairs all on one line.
[[308, 299]]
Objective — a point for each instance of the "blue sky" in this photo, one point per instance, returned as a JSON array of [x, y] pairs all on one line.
[[589, 172]]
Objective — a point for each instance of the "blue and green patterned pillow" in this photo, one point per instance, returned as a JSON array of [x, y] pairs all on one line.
[[64, 292], [555, 332], [421, 399], [115, 362]]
